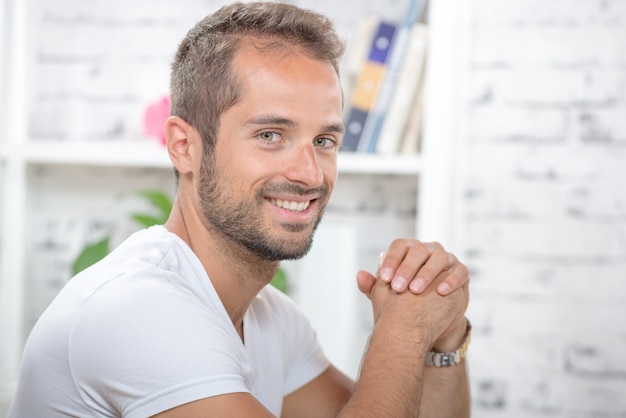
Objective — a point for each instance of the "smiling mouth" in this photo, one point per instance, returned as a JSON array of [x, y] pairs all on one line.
[[291, 205]]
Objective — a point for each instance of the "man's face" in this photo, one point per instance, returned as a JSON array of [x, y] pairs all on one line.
[[275, 161]]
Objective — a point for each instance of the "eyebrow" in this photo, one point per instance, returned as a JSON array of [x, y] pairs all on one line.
[[277, 120], [335, 127]]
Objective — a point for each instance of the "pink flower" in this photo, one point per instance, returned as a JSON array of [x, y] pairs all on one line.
[[154, 118]]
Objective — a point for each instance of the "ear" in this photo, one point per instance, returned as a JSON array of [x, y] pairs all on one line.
[[183, 143]]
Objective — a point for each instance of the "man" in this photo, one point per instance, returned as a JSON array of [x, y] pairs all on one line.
[[179, 321]]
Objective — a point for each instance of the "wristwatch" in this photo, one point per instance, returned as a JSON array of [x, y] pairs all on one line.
[[450, 359]]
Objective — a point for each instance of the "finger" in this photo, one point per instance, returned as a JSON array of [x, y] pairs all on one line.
[[381, 257], [365, 281], [458, 277], [394, 256], [421, 266], [403, 259]]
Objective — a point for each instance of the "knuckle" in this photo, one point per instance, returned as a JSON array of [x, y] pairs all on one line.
[[404, 243], [419, 249], [463, 271], [437, 245], [441, 255]]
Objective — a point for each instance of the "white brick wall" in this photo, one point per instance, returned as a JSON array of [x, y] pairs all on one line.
[[544, 207], [543, 213]]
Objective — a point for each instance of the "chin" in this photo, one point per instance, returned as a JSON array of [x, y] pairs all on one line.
[[293, 249]]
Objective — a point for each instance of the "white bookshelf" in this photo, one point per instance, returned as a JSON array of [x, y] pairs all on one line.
[[21, 157]]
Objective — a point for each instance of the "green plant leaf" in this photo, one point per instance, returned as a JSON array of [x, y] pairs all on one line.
[[147, 220], [280, 281], [91, 254], [159, 200], [95, 252]]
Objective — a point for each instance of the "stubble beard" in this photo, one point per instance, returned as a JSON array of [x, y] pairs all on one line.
[[241, 222]]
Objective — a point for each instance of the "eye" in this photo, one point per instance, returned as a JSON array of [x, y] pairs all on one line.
[[269, 136], [324, 142]]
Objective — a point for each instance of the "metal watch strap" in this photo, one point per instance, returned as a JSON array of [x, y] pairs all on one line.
[[450, 359]]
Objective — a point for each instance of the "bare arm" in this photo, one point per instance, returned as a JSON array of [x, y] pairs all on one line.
[[393, 374], [388, 365], [394, 380], [230, 405], [323, 397], [445, 390]]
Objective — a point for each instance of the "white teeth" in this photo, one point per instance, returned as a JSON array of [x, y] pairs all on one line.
[[294, 206]]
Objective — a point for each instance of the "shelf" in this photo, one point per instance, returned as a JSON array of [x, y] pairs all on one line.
[[151, 154], [101, 153], [379, 164]]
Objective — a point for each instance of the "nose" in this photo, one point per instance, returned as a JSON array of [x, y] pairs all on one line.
[[303, 166]]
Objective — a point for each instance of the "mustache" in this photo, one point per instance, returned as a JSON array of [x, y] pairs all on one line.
[[292, 188]]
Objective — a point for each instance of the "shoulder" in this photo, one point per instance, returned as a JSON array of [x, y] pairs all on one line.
[[144, 340], [157, 300]]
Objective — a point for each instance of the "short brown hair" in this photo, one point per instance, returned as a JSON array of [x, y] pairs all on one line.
[[202, 84]]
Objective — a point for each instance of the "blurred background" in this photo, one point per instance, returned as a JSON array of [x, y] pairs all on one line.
[[521, 113]]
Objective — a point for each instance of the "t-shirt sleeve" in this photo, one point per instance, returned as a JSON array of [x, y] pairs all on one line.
[[151, 349], [305, 358]]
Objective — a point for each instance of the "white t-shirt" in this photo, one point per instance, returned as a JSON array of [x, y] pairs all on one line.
[[144, 331]]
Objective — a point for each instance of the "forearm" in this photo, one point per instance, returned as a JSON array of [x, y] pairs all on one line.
[[446, 392], [403, 386], [394, 379], [390, 381]]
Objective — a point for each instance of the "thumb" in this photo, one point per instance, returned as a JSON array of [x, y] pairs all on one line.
[[365, 281]]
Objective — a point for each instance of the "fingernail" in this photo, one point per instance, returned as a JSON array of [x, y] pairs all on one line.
[[385, 274], [417, 285], [399, 284], [443, 288]]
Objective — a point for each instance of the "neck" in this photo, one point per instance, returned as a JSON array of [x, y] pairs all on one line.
[[237, 275]]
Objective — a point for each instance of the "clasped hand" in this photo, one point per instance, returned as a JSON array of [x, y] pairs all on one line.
[[435, 279]]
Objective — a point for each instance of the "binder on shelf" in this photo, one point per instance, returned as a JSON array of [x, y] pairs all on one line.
[[374, 121], [367, 85], [356, 57], [410, 138], [399, 113]]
